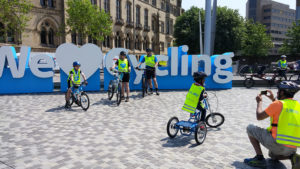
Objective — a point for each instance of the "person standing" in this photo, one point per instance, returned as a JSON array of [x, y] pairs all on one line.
[[151, 63], [282, 66]]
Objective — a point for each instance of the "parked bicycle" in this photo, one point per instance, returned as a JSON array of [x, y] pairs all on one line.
[[79, 97], [115, 87], [144, 82]]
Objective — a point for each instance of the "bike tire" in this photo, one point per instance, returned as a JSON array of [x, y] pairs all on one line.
[[71, 100], [110, 91], [144, 87], [119, 95], [244, 70], [85, 108], [169, 127], [212, 115], [249, 82], [200, 133]]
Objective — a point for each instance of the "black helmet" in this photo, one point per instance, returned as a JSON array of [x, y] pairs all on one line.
[[122, 53], [289, 87], [199, 76], [148, 50]]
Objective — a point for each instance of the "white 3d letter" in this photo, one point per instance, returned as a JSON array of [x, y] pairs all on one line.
[[174, 61], [219, 72], [207, 63], [35, 65]]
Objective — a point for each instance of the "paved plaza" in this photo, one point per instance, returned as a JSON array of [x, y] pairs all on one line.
[[37, 132]]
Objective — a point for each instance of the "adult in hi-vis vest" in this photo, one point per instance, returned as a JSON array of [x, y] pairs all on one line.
[[282, 67], [74, 78], [151, 65], [124, 68], [282, 137]]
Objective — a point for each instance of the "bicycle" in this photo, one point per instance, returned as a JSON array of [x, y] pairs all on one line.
[[115, 86], [144, 81], [79, 97]]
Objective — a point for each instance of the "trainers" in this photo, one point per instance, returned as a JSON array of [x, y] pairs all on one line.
[[122, 98], [157, 93], [127, 99], [256, 162], [295, 161], [67, 105]]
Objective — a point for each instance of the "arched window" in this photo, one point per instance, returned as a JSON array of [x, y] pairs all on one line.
[[118, 10], [128, 41], [43, 36], [51, 36], [118, 40]]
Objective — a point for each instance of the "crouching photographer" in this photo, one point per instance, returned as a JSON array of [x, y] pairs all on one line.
[[283, 136]]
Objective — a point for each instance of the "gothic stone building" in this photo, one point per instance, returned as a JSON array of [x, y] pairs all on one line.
[[137, 25]]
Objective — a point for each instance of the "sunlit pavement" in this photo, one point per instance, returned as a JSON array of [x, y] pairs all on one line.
[[37, 132]]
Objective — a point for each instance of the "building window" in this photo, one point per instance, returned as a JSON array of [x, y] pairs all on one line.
[[162, 5], [146, 17], [2, 33], [162, 46], [91, 40], [154, 2], [127, 42], [106, 42], [171, 26], [43, 36], [128, 11], [94, 2], [152, 24], [162, 27], [118, 40], [168, 7], [168, 26], [107, 6], [51, 36], [138, 15], [118, 10], [49, 3], [73, 36]]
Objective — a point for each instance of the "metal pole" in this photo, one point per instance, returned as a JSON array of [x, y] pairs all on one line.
[[213, 26], [207, 33], [133, 29], [200, 32]]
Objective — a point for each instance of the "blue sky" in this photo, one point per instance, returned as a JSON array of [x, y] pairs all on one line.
[[234, 4]]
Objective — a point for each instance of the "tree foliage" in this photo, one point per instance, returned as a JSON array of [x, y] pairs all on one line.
[[292, 44], [87, 19], [255, 40], [228, 30], [13, 16]]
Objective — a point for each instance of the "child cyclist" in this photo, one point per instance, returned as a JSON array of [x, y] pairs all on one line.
[[125, 68], [195, 96]]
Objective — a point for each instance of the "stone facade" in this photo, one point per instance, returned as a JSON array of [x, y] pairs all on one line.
[[148, 22]]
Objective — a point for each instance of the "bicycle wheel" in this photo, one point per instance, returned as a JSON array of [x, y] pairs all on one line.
[[71, 100], [214, 120], [84, 101], [110, 91], [244, 70], [248, 83], [171, 129], [200, 133], [119, 95]]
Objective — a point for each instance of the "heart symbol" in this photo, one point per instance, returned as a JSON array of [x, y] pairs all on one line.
[[123, 65], [89, 56]]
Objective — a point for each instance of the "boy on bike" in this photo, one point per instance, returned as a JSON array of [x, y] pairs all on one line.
[[151, 63], [196, 95], [125, 68], [74, 78]]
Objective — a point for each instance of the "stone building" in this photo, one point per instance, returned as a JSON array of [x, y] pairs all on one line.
[[137, 25]]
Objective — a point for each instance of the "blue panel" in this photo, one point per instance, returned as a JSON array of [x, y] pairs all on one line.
[[93, 82], [28, 84]]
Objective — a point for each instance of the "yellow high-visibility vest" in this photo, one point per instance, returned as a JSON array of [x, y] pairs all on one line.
[[192, 98], [150, 61], [76, 76], [123, 65]]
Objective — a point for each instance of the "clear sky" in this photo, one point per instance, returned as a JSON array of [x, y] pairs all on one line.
[[234, 4]]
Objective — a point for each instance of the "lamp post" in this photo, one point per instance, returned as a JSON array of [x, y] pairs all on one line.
[[200, 32], [213, 26], [207, 35]]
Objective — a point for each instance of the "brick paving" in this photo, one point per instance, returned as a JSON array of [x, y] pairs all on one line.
[[37, 132]]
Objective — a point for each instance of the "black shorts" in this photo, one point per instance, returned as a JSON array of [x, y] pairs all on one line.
[[69, 84], [126, 77], [150, 74]]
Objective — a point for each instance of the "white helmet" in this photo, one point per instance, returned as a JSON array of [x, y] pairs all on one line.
[[283, 56]]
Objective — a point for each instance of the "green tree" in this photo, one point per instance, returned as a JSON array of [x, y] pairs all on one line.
[[229, 26], [87, 19], [255, 40], [13, 18], [292, 44]]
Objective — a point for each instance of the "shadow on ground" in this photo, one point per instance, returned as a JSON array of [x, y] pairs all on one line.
[[271, 165]]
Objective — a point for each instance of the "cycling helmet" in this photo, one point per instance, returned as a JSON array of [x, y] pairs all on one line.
[[289, 87], [76, 63], [148, 50], [199, 76], [122, 53], [283, 56]]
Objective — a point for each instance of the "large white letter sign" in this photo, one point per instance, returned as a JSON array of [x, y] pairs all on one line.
[[196, 59], [89, 56], [35, 65], [219, 66], [9, 53], [174, 61]]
